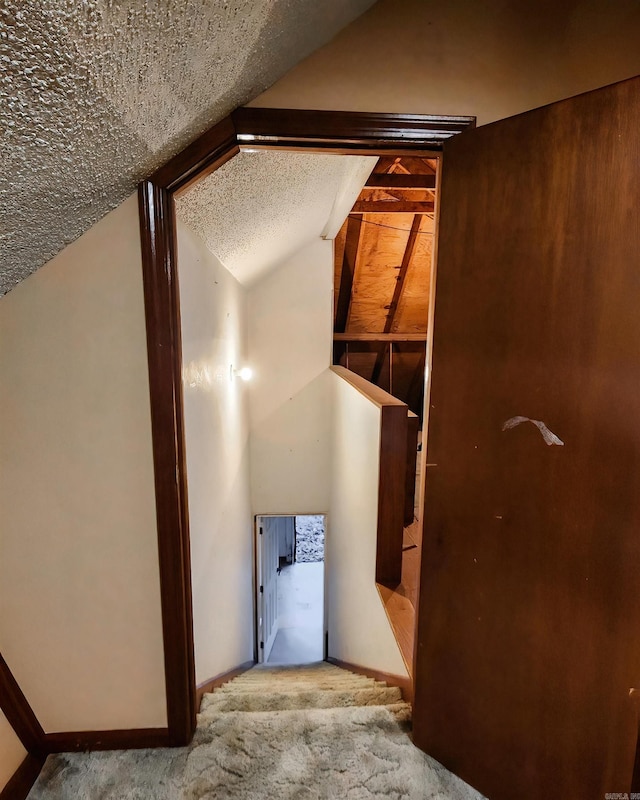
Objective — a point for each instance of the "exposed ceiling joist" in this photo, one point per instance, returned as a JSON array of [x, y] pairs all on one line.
[[399, 181], [392, 207], [380, 337], [397, 293], [402, 275], [352, 242], [371, 194]]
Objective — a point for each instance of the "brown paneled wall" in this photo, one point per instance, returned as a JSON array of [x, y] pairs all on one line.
[[529, 613]]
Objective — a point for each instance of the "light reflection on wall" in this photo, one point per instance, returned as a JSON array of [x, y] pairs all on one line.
[[201, 375], [213, 322]]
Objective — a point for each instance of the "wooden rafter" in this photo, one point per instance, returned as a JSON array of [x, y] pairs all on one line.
[[399, 181], [384, 164], [374, 194], [380, 337], [352, 242], [404, 268], [397, 292], [392, 207]]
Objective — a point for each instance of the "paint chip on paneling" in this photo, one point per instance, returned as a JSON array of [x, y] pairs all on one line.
[[548, 435]]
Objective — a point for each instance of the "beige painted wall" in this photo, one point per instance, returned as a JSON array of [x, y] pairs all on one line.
[[290, 335], [488, 58], [213, 313], [12, 752], [80, 623], [79, 589], [359, 630], [315, 447]]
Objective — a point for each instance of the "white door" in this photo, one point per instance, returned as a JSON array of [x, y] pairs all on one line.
[[268, 562]]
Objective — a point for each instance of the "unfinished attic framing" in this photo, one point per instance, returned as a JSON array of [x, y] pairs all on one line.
[[383, 257]]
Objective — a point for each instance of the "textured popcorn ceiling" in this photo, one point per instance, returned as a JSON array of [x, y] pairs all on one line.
[[260, 208], [94, 95]]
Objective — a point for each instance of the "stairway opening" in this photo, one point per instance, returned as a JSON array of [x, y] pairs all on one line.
[[383, 313], [290, 589]]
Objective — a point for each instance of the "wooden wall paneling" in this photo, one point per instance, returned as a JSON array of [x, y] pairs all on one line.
[[19, 713], [635, 778], [529, 611]]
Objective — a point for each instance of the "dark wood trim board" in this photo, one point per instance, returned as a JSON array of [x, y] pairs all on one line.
[[317, 131], [391, 492], [404, 684], [19, 713], [23, 779], [345, 131], [81, 741], [208, 686], [162, 310]]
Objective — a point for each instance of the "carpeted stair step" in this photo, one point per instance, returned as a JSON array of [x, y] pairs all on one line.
[[257, 737], [400, 711], [315, 671], [224, 702], [324, 677], [300, 669], [359, 752], [299, 687], [295, 686], [356, 753]]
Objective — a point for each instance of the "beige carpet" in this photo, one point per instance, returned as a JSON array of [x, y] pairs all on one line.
[[287, 733]]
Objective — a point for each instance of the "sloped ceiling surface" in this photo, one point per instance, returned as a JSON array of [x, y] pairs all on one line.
[[94, 95], [260, 208]]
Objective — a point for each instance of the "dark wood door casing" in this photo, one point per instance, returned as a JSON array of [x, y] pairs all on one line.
[[311, 131], [19, 714], [529, 608]]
